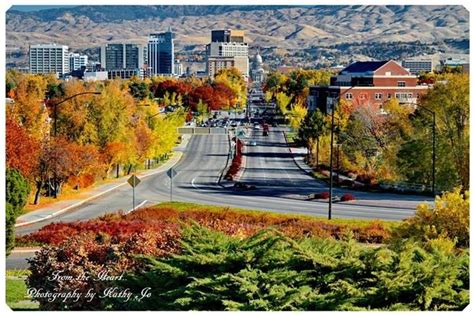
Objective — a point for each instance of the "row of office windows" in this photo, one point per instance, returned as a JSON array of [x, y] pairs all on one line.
[[379, 96]]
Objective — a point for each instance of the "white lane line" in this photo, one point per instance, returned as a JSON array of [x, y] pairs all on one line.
[[136, 207]]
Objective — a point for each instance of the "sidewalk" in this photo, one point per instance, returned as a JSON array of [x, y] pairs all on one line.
[[63, 206], [299, 154]]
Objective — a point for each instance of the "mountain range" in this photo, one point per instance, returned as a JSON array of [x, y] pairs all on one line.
[[288, 28]]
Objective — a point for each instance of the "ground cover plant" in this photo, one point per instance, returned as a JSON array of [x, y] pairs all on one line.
[[195, 257], [270, 271], [228, 220]]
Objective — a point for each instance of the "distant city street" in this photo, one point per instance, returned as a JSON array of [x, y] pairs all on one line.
[[241, 157]]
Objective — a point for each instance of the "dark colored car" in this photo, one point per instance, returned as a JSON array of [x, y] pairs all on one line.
[[243, 186]]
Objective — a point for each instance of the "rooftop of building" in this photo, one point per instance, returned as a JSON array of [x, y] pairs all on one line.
[[364, 66]]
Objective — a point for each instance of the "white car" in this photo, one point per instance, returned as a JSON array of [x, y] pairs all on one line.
[[252, 143], [256, 126]]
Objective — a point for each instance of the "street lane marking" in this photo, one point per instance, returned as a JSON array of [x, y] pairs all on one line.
[[136, 207]]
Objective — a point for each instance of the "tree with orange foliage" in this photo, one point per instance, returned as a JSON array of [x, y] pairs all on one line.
[[84, 160], [21, 150], [29, 108], [143, 140]]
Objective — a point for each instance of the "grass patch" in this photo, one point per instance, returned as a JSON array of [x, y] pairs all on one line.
[[185, 206], [16, 295], [291, 136]]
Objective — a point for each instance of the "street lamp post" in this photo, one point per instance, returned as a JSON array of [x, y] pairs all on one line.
[[433, 147], [55, 130]]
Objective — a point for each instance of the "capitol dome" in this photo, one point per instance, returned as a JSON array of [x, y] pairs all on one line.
[[258, 59]]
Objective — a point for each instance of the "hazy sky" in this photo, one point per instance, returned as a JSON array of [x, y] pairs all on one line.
[[38, 7]]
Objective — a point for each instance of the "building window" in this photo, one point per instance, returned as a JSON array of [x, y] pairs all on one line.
[[401, 83], [389, 95], [348, 96], [378, 96]]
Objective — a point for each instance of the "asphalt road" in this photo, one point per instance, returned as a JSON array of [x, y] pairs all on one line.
[[270, 168]]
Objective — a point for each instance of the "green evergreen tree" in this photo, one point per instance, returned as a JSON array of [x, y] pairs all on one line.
[[17, 190]]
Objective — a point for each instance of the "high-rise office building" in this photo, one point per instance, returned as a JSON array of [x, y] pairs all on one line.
[[122, 56], [227, 49], [417, 65], [161, 53], [49, 58], [77, 61], [227, 36]]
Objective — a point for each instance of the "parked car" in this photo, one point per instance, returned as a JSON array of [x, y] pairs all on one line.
[[252, 143]]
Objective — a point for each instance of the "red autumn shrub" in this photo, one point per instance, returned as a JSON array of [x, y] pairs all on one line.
[[234, 167], [91, 255], [347, 197], [228, 221], [375, 232], [55, 233], [321, 195]]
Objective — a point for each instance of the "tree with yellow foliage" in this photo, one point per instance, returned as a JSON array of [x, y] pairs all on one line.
[[232, 78], [296, 115]]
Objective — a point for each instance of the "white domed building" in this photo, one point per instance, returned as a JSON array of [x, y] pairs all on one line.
[[257, 73]]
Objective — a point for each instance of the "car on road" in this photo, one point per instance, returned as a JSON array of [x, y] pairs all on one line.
[[252, 143], [257, 126], [240, 186]]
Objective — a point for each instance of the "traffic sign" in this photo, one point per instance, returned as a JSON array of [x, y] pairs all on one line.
[[133, 181], [171, 173]]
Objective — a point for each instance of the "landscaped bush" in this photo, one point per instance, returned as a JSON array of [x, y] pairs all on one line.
[[270, 271], [236, 164], [119, 227], [347, 197], [92, 255], [225, 220], [321, 195], [449, 217]]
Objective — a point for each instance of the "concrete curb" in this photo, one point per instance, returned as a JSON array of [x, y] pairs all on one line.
[[226, 167], [294, 158], [26, 250], [70, 207]]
